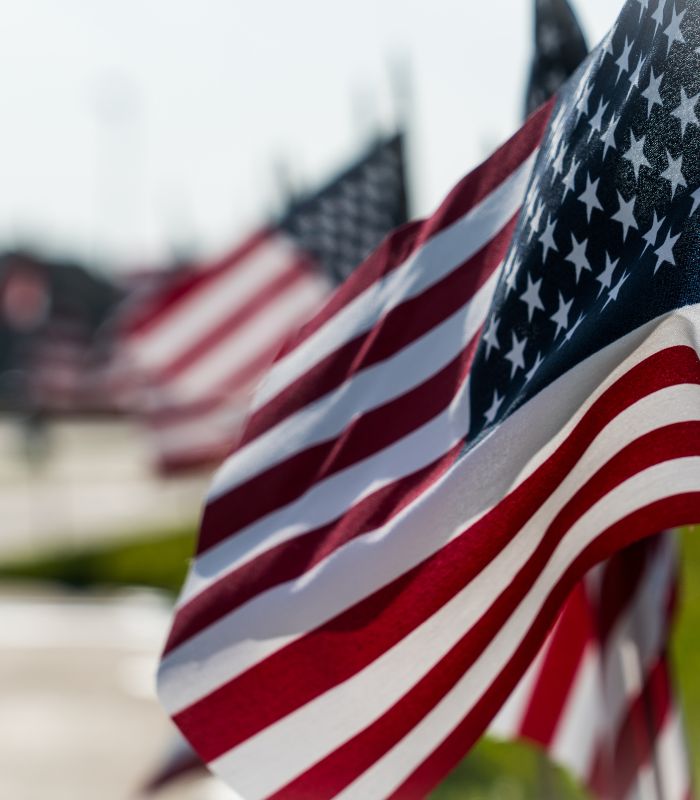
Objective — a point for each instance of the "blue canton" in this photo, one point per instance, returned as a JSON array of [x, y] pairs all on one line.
[[609, 235]]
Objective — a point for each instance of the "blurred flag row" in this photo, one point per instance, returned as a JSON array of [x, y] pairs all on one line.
[[195, 346]]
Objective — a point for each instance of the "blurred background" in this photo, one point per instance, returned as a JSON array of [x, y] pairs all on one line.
[[143, 138]]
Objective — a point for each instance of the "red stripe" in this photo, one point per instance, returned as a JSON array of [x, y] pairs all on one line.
[[148, 312], [398, 608], [369, 511], [560, 668], [408, 712], [401, 325], [297, 273], [469, 192], [226, 515], [287, 562], [621, 580], [643, 723], [348, 762], [646, 521]]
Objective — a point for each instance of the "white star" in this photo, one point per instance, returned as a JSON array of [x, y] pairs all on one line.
[[570, 177], [531, 297], [635, 154], [597, 120], [606, 276], [608, 138], [495, 406], [582, 102], [558, 128], [613, 293], [634, 77], [589, 197], [658, 15], [531, 199], [625, 216], [570, 333], [491, 336], [686, 111], [511, 273], [696, 201], [536, 219], [516, 355], [652, 234], [561, 315], [665, 252], [623, 62], [674, 173], [652, 93], [538, 363], [674, 29], [547, 238], [558, 164], [577, 256]]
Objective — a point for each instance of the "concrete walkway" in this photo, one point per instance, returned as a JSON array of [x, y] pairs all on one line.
[[95, 482], [78, 717]]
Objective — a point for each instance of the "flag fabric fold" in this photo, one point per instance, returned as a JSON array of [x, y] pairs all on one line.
[[599, 696], [500, 398]]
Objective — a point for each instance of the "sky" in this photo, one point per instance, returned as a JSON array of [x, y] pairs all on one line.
[[132, 129]]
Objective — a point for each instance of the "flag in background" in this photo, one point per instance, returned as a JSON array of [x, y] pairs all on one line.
[[195, 348], [599, 697], [498, 399], [560, 47]]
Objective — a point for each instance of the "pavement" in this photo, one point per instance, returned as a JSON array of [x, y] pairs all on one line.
[[78, 715], [95, 481]]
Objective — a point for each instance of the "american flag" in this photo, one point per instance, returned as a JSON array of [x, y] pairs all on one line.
[[560, 47], [607, 657], [501, 397], [195, 348], [599, 697]]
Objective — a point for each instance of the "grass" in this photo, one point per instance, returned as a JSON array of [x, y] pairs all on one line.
[[492, 771]]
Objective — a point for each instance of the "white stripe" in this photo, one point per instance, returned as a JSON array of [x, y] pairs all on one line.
[[474, 486], [644, 627], [298, 741], [671, 765], [196, 315], [598, 699], [507, 724], [243, 638], [576, 734], [273, 322], [438, 257], [327, 499], [537, 428], [672, 758], [216, 428], [503, 460], [326, 418]]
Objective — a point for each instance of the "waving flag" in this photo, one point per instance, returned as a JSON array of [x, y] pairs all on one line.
[[560, 47], [599, 697], [500, 398], [198, 345]]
